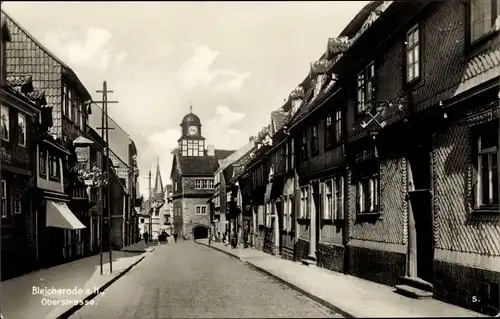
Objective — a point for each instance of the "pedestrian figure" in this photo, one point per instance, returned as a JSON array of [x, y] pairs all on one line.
[[245, 237], [146, 237], [175, 237]]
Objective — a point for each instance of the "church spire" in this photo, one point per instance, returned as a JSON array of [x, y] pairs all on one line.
[[158, 190]]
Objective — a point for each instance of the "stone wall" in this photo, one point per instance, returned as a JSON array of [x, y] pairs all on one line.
[[331, 256]]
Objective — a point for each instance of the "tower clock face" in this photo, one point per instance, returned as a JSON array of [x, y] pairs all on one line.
[[192, 130]]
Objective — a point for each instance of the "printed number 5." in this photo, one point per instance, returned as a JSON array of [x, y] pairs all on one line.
[[475, 299]]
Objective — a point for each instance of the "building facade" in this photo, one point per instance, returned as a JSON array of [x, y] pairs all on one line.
[[392, 154], [192, 176]]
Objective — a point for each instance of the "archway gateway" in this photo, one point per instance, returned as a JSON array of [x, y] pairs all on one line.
[[200, 232]]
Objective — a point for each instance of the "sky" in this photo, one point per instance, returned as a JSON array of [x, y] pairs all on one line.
[[234, 62]]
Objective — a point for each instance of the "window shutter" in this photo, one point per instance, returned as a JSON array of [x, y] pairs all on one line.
[[341, 195], [322, 201]]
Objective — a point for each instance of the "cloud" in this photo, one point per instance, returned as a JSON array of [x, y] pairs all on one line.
[[164, 142], [220, 130], [88, 49], [165, 50], [120, 57], [197, 72], [233, 85]]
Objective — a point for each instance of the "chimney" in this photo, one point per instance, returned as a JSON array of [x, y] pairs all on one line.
[[251, 138], [210, 150]]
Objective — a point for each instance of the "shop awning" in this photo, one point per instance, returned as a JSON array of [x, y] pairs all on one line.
[[59, 215]]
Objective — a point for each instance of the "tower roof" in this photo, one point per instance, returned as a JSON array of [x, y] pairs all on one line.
[[191, 118], [158, 190]]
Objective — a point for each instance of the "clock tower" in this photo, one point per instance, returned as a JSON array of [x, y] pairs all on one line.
[[191, 143]]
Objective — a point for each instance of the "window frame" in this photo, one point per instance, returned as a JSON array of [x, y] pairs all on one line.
[[54, 159], [314, 139], [328, 191], [42, 154], [4, 199], [413, 48], [21, 116], [303, 145], [492, 155], [494, 5], [5, 110], [368, 179], [329, 130], [365, 88]]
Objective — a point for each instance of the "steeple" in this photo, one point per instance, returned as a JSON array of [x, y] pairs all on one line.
[[158, 190]]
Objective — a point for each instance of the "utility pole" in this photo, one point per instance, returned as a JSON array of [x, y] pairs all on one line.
[[105, 136], [150, 201]]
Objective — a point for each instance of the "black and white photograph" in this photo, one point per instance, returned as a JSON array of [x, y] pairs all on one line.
[[249, 159]]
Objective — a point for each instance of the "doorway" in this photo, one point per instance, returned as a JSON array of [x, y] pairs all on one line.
[[421, 239]]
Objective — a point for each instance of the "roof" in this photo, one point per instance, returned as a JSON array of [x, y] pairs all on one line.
[[24, 85], [82, 140], [191, 118], [278, 119], [26, 55], [309, 105], [198, 165], [357, 22], [222, 154]]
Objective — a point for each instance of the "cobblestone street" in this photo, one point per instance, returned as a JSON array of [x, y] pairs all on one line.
[[190, 280]]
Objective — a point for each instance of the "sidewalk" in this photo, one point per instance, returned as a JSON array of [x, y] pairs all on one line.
[[139, 247], [348, 295], [20, 300]]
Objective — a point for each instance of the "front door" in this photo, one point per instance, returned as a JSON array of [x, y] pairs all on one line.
[[421, 239]]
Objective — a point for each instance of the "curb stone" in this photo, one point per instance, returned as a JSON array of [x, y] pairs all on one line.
[[72, 310], [293, 286]]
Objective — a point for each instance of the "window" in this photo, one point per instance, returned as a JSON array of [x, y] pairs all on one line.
[[286, 203], [197, 184], [54, 166], [303, 146], [42, 162], [487, 166], [412, 54], [365, 88], [338, 126], [269, 213], [5, 123], [17, 206], [304, 202], [287, 157], [292, 154], [361, 92], [328, 130], [328, 200], [484, 14], [314, 139], [21, 135], [367, 189], [201, 210], [4, 198], [73, 101], [203, 183], [66, 98]]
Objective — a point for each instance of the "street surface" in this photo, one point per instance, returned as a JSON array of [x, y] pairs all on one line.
[[191, 280]]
